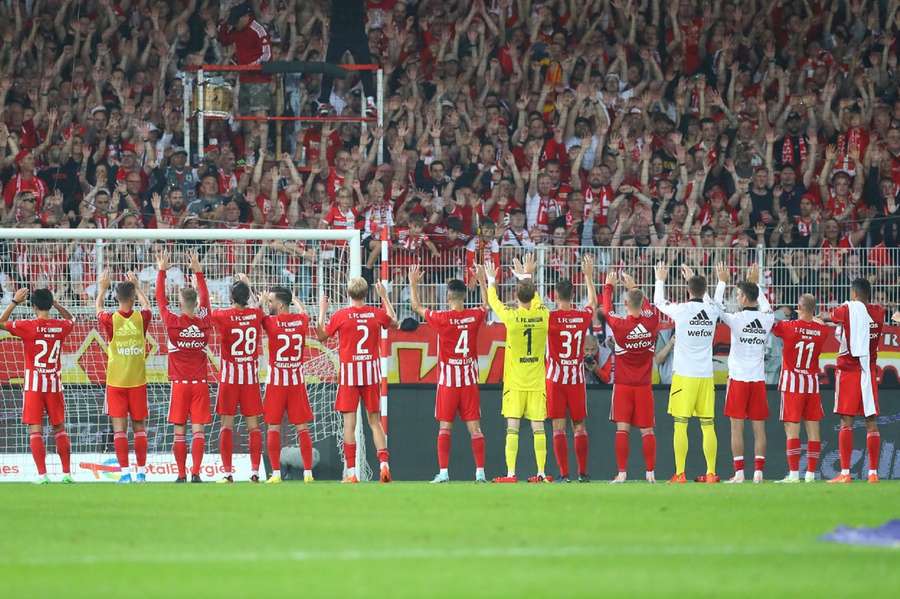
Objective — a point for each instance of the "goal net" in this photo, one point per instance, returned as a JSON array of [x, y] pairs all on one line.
[[68, 262]]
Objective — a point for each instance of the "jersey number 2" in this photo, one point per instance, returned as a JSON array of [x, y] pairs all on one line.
[[48, 351]]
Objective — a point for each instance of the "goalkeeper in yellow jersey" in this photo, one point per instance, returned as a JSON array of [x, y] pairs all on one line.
[[524, 377]]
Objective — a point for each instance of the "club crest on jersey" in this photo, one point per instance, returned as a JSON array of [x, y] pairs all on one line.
[[701, 318], [754, 327]]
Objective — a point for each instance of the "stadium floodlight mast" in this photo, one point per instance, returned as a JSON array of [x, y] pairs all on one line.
[[312, 262]]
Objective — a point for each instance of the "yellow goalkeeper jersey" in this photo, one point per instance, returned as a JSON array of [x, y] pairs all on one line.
[[526, 343]]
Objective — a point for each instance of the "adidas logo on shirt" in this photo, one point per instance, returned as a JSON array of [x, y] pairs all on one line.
[[755, 327], [129, 328], [702, 319], [192, 332], [638, 332]]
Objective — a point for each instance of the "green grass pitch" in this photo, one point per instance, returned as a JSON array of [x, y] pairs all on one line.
[[457, 540]]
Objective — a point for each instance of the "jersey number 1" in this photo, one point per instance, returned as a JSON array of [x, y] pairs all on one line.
[[809, 348]]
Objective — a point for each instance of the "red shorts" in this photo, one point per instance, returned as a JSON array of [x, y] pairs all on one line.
[[452, 400], [633, 404], [122, 401], [848, 393], [566, 397], [292, 400], [231, 395], [747, 400], [38, 402], [348, 397], [801, 406], [190, 401]]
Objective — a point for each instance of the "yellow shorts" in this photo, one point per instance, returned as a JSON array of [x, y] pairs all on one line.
[[529, 404], [692, 396]]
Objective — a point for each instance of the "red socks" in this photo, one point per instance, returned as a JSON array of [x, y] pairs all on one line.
[[226, 448], [873, 444], [273, 445], [255, 449], [305, 443], [622, 450], [140, 448], [350, 454], [38, 452], [813, 448], [738, 463], [443, 448], [120, 443], [383, 456], [561, 451], [648, 444], [64, 450], [845, 446], [478, 449], [793, 454], [581, 452], [759, 463], [179, 449], [198, 445]]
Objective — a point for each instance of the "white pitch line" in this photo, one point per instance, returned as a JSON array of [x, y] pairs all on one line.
[[353, 555]]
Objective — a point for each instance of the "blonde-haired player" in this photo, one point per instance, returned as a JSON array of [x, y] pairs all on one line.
[[524, 376], [358, 327]]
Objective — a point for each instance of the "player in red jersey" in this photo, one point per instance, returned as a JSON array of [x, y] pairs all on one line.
[[285, 387], [358, 327], [188, 338], [239, 329], [126, 369], [632, 399], [457, 390], [42, 338], [803, 339], [568, 328], [856, 386]]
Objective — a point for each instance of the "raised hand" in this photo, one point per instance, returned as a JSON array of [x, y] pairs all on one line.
[[195, 261], [103, 282], [530, 263], [381, 290], [661, 271], [686, 271], [22, 294], [753, 273], [415, 274], [162, 259], [490, 270], [611, 277], [587, 267], [628, 281], [722, 272]]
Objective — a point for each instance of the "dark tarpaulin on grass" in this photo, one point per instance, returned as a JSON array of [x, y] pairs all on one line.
[[886, 535]]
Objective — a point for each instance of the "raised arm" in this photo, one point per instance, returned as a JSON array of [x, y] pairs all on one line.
[[608, 290], [587, 268], [102, 288], [162, 263], [386, 301], [321, 333], [138, 290], [200, 281], [20, 296], [415, 275]]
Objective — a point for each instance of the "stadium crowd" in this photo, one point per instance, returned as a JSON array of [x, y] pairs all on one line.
[[666, 129]]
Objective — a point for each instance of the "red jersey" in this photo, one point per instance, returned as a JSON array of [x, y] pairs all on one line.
[[239, 333], [251, 46], [42, 338], [19, 183], [803, 343], [841, 316], [359, 331], [188, 336], [457, 332], [287, 336], [635, 339], [565, 345]]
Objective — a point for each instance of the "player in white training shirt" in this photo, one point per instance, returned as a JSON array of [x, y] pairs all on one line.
[[746, 395], [693, 393]]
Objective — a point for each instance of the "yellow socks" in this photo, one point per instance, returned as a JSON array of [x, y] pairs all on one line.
[[680, 441], [710, 444], [512, 450], [540, 450]]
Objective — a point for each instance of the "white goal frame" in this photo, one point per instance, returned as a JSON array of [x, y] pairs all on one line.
[[351, 237]]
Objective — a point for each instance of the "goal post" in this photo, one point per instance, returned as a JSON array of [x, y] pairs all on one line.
[[310, 262]]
